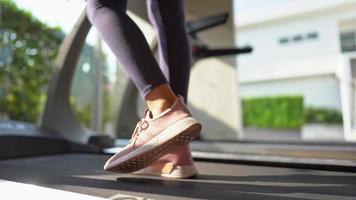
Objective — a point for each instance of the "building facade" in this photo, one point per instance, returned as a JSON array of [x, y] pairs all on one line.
[[298, 52]]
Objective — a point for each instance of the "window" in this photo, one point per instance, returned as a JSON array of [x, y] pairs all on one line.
[[348, 41], [312, 35], [297, 38], [283, 40]]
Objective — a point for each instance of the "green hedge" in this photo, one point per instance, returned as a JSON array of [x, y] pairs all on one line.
[[28, 47], [322, 115], [273, 112]]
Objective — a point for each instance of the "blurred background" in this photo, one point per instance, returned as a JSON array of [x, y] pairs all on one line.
[[298, 83]]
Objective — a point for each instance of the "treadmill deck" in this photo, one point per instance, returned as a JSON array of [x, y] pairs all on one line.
[[82, 173]]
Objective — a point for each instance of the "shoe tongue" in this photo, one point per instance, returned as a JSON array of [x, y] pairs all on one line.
[[148, 113], [181, 98]]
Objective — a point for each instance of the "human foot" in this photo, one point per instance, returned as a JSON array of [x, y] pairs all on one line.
[[178, 165], [155, 137]]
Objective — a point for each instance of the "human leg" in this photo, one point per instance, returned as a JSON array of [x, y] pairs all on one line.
[[129, 45], [175, 62], [168, 19]]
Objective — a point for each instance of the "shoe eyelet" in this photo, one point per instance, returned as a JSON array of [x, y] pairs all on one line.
[[144, 125]]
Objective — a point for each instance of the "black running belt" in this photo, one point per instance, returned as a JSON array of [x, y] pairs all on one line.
[[82, 173]]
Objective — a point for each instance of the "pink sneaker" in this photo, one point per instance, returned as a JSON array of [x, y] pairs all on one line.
[[155, 137], [178, 165]]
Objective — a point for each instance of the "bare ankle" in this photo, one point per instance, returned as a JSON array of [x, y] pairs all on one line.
[[159, 106], [160, 99]]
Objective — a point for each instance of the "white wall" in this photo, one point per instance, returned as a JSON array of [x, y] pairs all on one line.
[[271, 59]]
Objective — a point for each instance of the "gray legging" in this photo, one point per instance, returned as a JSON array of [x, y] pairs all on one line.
[[129, 45]]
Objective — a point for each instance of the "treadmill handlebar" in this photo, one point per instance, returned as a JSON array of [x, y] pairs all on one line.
[[199, 25], [204, 52]]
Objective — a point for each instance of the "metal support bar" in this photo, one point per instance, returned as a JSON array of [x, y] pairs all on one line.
[[58, 115]]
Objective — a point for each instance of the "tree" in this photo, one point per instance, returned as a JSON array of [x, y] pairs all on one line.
[[27, 49]]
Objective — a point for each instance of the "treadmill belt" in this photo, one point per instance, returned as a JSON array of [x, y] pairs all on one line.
[[82, 173]]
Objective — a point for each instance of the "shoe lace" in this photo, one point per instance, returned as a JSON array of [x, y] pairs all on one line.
[[140, 126]]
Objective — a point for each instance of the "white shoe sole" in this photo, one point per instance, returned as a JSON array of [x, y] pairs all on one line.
[[178, 172], [179, 133]]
